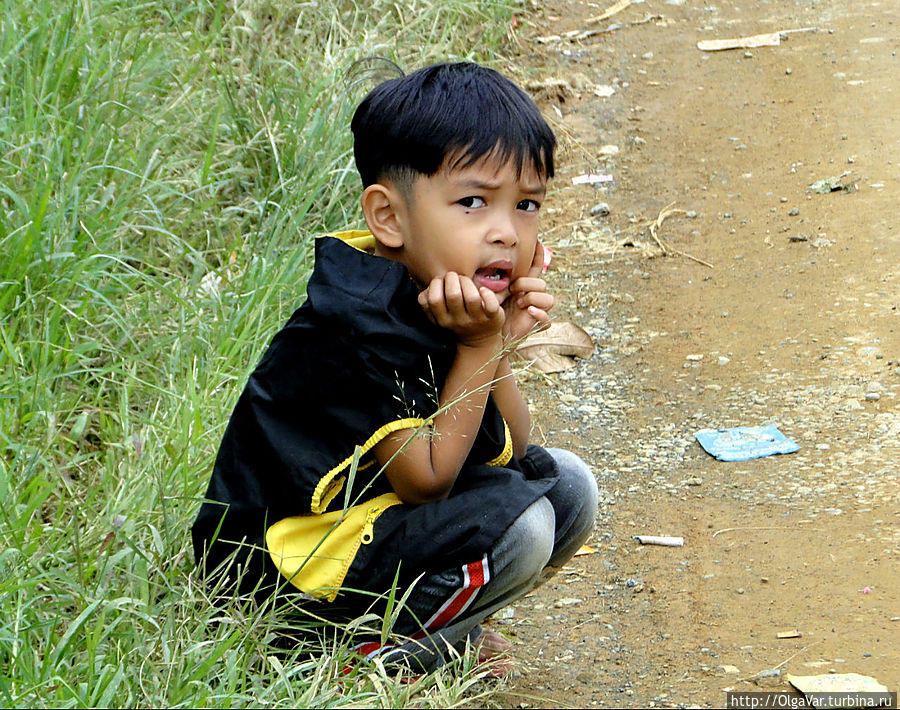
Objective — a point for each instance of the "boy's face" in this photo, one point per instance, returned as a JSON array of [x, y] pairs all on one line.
[[480, 221]]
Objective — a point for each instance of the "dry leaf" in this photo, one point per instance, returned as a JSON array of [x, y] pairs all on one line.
[[555, 348]]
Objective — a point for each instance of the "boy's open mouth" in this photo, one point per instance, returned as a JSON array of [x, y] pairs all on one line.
[[494, 277]]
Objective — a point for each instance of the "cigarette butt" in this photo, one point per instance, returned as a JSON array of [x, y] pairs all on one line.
[[659, 540]]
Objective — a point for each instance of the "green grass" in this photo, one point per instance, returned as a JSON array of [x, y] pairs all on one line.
[[147, 150]]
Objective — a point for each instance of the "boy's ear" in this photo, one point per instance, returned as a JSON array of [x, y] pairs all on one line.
[[384, 209]]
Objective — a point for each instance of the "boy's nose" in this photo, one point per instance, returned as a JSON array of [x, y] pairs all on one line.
[[503, 231]]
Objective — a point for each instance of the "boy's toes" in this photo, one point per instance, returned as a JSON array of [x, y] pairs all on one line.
[[490, 640], [493, 654]]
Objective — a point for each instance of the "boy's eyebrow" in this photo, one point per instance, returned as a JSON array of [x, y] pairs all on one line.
[[472, 183]]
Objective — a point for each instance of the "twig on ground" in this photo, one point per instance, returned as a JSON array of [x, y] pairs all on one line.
[[752, 527], [610, 11], [749, 679], [667, 211]]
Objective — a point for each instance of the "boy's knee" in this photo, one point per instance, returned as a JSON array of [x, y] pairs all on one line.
[[577, 484], [529, 540]]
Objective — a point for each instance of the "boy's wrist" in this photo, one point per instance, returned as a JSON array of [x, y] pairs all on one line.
[[493, 342]]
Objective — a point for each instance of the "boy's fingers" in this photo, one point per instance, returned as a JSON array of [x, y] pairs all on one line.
[[538, 299], [537, 261], [489, 300], [527, 284], [453, 293], [432, 299], [539, 315], [471, 295]]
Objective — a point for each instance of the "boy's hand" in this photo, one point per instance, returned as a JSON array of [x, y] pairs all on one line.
[[528, 302], [457, 304]]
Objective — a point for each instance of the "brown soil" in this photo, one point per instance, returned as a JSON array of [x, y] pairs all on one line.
[[794, 312]]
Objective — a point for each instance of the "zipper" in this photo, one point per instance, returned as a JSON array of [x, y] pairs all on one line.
[[371, 516], [369, 526]]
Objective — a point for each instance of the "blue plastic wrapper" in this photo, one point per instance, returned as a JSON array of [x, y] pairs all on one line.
[[745, 442]]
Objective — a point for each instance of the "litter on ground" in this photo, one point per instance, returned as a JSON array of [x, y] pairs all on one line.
[[591, 179], [768, 39], [664, 540], [744, 442]]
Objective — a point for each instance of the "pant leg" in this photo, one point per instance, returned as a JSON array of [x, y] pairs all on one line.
[[450, 606], [444, 610], [574, 500]]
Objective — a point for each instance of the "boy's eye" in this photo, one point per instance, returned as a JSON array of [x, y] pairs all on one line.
[[528, 206], [471, 202]]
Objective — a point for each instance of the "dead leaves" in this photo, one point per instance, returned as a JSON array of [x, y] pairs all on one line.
[[556, 348]]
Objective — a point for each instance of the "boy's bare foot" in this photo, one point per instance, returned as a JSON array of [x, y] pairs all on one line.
[[493, 653]]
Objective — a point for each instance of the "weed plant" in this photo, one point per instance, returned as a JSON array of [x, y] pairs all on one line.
[[163, 168]]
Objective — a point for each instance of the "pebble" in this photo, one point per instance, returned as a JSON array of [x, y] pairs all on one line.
[[601, 209], [567, 601], [771, 676], [872, 396], [794, 211]]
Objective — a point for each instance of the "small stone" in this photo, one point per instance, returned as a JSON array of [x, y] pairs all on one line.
[[740, 590], [691, 214], [601, 209], [647, 55], [798, 238], [728, 670], [872, 396], [567, 601], [788, 71], [771, 676], [794, 211], [782, 199]]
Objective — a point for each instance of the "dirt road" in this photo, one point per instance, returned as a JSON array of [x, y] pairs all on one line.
[[752, 300]]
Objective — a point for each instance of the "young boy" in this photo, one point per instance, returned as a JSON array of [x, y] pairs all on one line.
[[382, 438]]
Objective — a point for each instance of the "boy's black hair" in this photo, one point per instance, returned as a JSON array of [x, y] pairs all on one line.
[[411, 124]]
